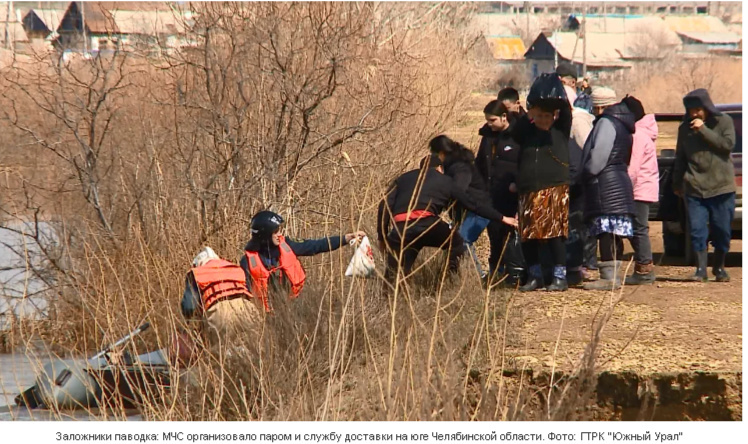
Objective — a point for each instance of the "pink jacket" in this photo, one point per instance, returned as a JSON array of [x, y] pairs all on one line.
[[643, 171]]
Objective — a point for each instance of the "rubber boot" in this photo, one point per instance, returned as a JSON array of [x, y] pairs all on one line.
[[609, 279], [575, 278], [718, 267], [700, 274], [643, 275], [534, 279], [559, 282]]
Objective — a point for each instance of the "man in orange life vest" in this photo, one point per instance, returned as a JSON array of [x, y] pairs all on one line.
[[270, 260], [216, 288]]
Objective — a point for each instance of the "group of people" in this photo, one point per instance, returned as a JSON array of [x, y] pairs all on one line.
[[573, 175], [551, 185]]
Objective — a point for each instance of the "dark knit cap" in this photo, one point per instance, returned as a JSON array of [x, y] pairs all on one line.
[[635, 106], [566, 70]]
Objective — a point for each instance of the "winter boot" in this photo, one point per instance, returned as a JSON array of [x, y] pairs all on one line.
[[718, 268], [534, 279], [643, 275], [609, 279], [559, 282], [700, 274], [575, 278]]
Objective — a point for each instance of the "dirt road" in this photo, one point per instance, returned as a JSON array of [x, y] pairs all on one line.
[[671, 326]]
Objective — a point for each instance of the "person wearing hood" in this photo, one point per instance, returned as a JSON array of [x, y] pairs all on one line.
[[704, 175], [217, 294], [270, 262], [408, 216], [645, 180], [496, 163], [609, 196]]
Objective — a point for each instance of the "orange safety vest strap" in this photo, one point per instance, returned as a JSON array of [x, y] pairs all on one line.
[[413, 215]]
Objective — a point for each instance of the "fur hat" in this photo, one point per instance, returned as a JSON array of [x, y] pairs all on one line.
[[602, 96]]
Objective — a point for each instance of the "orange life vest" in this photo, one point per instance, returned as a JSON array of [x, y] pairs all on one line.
[[219, 280], [288, 264]]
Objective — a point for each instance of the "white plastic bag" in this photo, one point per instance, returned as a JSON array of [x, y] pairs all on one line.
[[362, 262]]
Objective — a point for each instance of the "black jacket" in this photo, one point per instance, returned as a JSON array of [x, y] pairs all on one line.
[[461, 167], [576, 187], [496, 162], [437, 191], [605, 160], [544, 155]]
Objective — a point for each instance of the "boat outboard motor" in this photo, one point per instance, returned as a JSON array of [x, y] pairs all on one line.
[[69, 383]]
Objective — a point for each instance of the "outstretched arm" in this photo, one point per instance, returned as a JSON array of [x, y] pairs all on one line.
[[479, 208]]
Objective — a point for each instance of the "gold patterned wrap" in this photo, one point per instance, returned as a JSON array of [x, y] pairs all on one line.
[[544, 214]]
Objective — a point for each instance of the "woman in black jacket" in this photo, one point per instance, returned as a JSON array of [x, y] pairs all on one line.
[[543, 186], [496, 162], [459, 164]]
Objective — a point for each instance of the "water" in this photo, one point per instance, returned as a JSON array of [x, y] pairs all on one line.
[[20, 288]]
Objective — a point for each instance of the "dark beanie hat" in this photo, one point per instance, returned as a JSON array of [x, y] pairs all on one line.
[[635, 106], [566, 70]]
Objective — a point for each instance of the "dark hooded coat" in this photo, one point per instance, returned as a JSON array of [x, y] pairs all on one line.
[[703, 167], [605, 160]]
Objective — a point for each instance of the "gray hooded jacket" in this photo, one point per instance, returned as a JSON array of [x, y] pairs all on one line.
[[703, 167]]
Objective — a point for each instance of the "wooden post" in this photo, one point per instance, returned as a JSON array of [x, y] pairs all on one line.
[[584, 42]]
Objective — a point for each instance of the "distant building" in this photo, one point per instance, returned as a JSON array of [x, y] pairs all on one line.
[[42, 24], [99, 26], [506, 49], [703, 34]]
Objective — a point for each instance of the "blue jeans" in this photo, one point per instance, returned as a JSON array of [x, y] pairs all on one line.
[[717, 212], [472, 226]]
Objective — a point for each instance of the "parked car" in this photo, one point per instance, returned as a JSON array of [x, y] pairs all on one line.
[[671, 209]]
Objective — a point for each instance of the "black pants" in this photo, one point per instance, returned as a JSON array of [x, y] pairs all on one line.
[[513, 260], [556, 245], [611, 246], [410, 239]]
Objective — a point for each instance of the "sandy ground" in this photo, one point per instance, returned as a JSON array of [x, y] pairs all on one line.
[[670, 326]]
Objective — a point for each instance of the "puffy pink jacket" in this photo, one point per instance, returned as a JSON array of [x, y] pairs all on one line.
[[643, 171]]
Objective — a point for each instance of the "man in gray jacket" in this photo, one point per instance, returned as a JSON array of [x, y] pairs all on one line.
[[705, 177]]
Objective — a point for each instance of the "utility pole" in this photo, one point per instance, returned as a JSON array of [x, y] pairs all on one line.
[[83, 26], [584, 41], [7, 24]]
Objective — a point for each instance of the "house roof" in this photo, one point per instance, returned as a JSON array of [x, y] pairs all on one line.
[[633, 25], [148, 22], [700, 23], [712, 37], [98, 19], [506, 47], [51, 18], [605, 50]]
